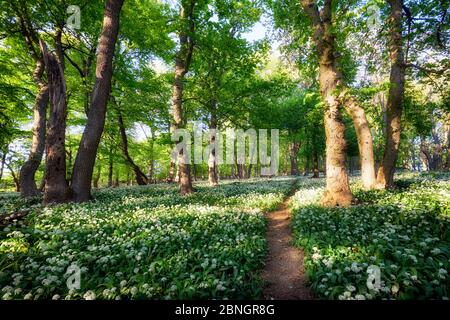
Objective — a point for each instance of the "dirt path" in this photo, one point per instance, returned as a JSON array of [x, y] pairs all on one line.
[[284, 269]]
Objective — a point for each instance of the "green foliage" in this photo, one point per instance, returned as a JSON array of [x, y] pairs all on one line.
[[403, 232], [143, 242]]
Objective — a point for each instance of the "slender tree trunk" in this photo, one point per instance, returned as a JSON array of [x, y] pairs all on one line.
[[447, 161], [2, 166], [307, 165], [97, 177], [293, 151], [365, 141], [151, 169], [27, 172], [56, 188], [426, 156], [87, 151], [116, 179], [182, 62], [437, 151], [14, 176], [315, 164], [212, 161], [338, 189], [171, 174], [141, 178], [110, 171], [385, 178]]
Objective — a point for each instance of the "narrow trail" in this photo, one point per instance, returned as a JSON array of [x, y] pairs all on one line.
[[284, 269]]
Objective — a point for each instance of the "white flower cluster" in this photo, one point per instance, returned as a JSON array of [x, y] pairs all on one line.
[[144, 242]]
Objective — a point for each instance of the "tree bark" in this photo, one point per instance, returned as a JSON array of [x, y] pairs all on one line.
[[27, 172], [2, 166], [151, 168], [385, 177], [110, 171], [116, 179], [97, 177], [212, 161], [171, 173], [85, 159], [56, 188], [315, 159], [182, 63], [293, 151], [426, 157], [330, 79], [364, 136], [14, 176], [28, 185], [141, 178]]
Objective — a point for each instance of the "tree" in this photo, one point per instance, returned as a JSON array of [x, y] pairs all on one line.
[[56, 188], [30, 37], [85, 159], [385, 177], [182, 63]]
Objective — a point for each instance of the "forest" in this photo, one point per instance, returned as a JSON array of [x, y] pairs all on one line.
[[224, 149]]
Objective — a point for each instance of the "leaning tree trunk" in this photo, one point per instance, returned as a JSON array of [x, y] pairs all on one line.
[[385, 178], [330, 79], [87, 151], [14, 176], [27, 174], [141, 178], [212, 161], [182, 62], [56, 189], [365, 141]]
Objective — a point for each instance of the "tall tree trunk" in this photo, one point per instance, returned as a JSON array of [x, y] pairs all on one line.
[[97, 176], [212, 161], [385, 178], [447, 130], [293, 151], [110, 169], [116, 179], [365, 141], [87, 151], [337, 187], [2, 166], [437, 150], [27, 174], [171, 173], [307, 165], [240, 170], [182, 63], [56, 189], [315, 159], [141, 178], [151, 169]]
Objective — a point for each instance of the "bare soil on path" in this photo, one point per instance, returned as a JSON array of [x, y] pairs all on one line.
[[284, 269]]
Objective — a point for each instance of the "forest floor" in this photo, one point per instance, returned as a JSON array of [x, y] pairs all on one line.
[[284, 269], [149, 242]]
